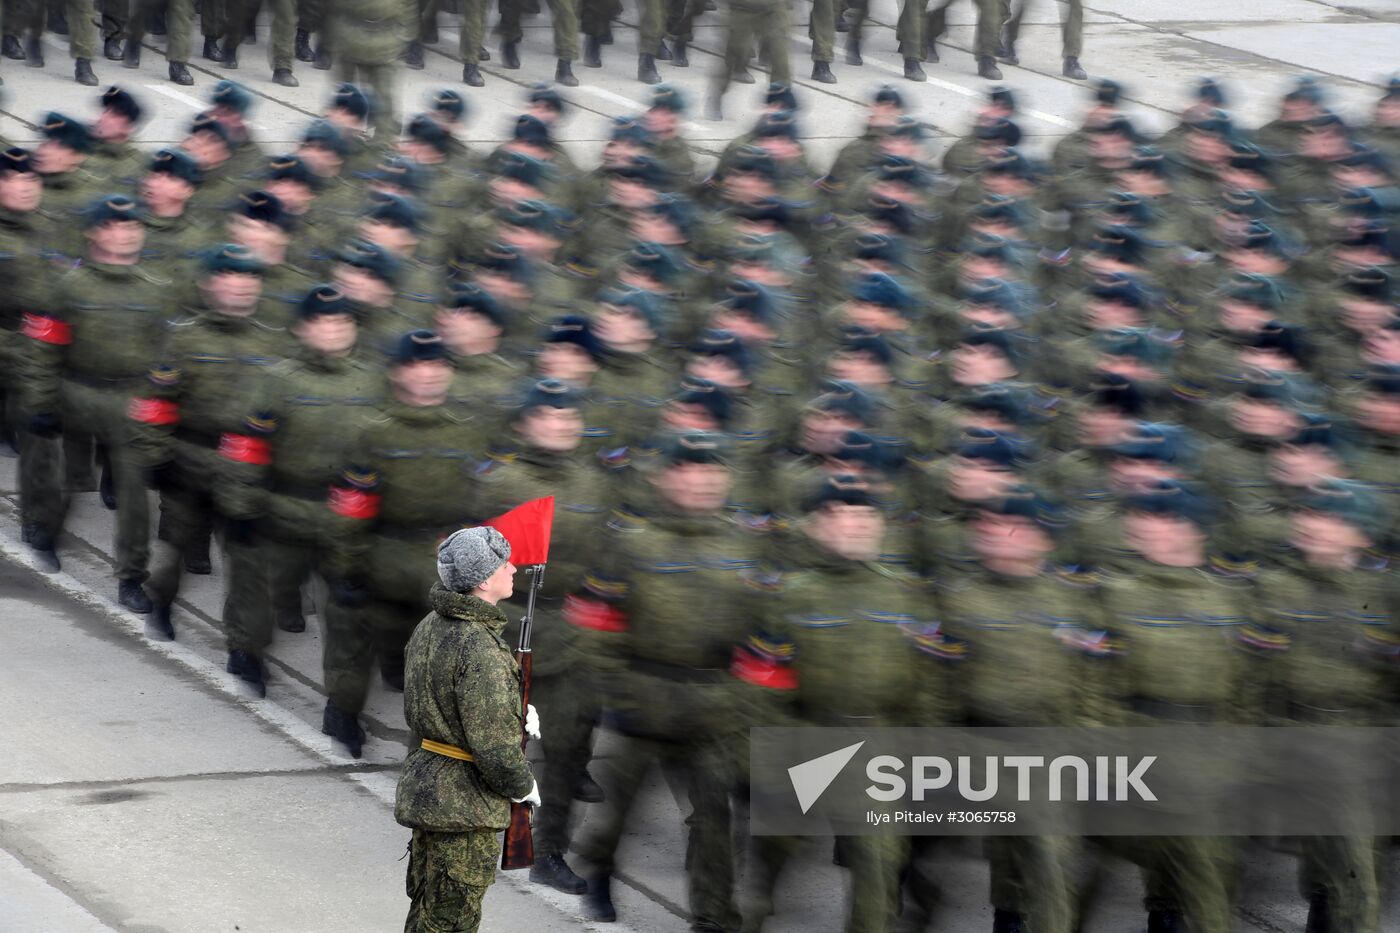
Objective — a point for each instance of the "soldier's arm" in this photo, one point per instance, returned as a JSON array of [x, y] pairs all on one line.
[[47, 332], [154, 409], [601, 606], [245, 461], [352, 506], [488, 705], [1098, 646]]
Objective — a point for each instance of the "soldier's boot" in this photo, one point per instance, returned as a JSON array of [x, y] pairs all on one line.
[[133, 597], [592, 52], [284, 77], [131, 58], [607, 37], [1318, 919], [680, 58], [112, 48], [212, 52], [588, 790], [323, 60], [231, 58], [663, 52], [249, 669], [303, 47], [821, 71], [471, 75], [554, 872], [413, 58], [1007, 921], [344, 728], [1163, 921], [291, 621], [180, 74], [82, 72], [158, 624], [564, 74], [597, 900], [10, 48], [1006, 48], [646, 69], [1073, 70], [41, 543], [987, 68], [482, 55], [853, 52], [158, 24], [841, 24], [106, 489], [197, 561], [33, 53], [913, 71], [931, 51], [510, 55]]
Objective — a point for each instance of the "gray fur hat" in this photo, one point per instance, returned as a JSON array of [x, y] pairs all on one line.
[[467, 558]]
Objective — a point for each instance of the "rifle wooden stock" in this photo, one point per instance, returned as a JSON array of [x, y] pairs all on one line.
[[519, 851]]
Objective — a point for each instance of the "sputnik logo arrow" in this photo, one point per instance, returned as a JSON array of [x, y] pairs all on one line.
[[811, 778]]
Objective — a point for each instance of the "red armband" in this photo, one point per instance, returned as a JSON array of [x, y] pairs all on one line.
[[353, 503], [47, 329], [594, 615], [240, 448], [153, 411], [753, 668]]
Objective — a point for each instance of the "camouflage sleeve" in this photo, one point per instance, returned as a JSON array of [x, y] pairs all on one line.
[[488, 705], [764, 664], [245, 461], [598, 610], [154, 409], [1100, 645], [352, 505], [47, 333]]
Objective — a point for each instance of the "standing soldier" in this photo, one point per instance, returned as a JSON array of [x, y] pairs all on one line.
[[405, 485], [240, 19], [1072, 36], [179, 25], [193, 427], [564, 14], [750, 21], [465, 762], [370, 35], [543, 459], [87, 353], [920, 27], [115, 158]]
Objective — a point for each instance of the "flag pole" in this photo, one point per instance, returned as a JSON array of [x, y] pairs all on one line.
[[519, 850]]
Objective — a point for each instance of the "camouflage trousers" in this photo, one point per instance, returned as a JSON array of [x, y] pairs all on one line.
[[448, 874]]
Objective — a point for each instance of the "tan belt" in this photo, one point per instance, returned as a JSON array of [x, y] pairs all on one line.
[[446, 751]]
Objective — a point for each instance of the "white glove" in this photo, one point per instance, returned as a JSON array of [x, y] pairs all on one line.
[[532, 721], [532, 799]]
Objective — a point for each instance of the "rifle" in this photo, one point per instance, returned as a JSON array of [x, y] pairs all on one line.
[[519, 851]]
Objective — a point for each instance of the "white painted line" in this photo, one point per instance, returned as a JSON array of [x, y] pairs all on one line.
[[635, 106], [194, 102]]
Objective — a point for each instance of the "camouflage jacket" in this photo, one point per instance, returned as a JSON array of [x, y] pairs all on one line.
[[461, 688]]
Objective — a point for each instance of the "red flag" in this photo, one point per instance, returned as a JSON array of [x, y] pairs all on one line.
[[527, 528]]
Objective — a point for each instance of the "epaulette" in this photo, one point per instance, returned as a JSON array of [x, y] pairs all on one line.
[[1097, 644], [626, 521], [1078, 576], [1234, 566], [150, 276], [163, 375], [1262, 639]]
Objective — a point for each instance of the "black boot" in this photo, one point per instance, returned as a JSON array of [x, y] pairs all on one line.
[[198, 562], [323, 60], [853, 52], [82, 72], [180, 74], [1007, 921], [212, 52], [130, 595], [1006, 49], [158, 624], [663, 53], [231, 58], [1073, 70], [1318, 919], [10, 48], [821, 71], [1163, 921], [413, 58], [553, 871], [680, 58], [646, 69], [588, 790], [510, 55], [249, 669], [105, 489], [131, 58], [471, 75], [284, 77], [597, 900], [930, 51], [303, 47], [42, 545], [592, 52], [250, 33], [913, 71], [482, 55], [291, 622], [112, 49], [33, 53], [344, 728], [564, 74], [987, 68]]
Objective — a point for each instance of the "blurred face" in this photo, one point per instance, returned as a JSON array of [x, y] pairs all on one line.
[[883, 114], [566, 362], [420, 152], [398, 240], [744, 326], [874, 317], [1102, 427], [466, 329], [511, 191], [854, 532], [233, 293], [1258, 261], [1379, 413], [320, 159], [630, 193], [1009, 538], [1111, 147], [543, 112], [21, 192], [259, 236], [360, 286], [534, 243], [680, 416], [980, 365], [1325, 145], [1267, 359], [653, 229], [619, 327], [503, 287], [823, 432], [208, 150], [861, 368], [329, 334], [52, 158], [111, 126], [1159, 537], [422, 383], [295, 196], [1111, 315], [695, 487], [1321, 536], [1207, 148], [1298, 465], [1388, 111], [1382, 348], [557, 430], [978, 480], [901, 146], [1243, 318], [165, 188], [500, 585], [719, 370], [1262, 418], [1131, 474], [662, 121], [118, 238], [781, 148]]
